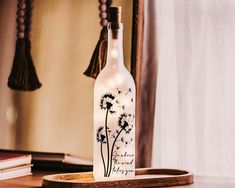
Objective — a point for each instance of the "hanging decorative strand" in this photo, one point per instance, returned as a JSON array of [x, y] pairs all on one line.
[[98, 59], [23, 74]]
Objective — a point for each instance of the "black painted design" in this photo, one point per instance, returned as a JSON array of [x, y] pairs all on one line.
[[100, 137], [119, 91], [125, 123], [129, 91], [109, 103]]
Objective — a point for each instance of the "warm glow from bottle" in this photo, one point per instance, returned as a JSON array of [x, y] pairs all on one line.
[[114, 50], [114, 53], [119, 78]]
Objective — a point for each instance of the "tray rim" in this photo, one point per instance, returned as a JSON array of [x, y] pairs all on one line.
[[171, 176]]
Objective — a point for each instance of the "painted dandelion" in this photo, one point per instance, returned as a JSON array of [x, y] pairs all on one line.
[[107, 103], [111, 139], [100, 137]]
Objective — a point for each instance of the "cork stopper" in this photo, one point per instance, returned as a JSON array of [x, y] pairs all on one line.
[[115, 14]]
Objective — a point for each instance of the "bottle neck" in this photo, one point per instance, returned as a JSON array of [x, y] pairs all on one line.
[[115, 46]]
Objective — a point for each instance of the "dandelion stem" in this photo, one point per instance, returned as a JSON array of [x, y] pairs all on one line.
[[101, 150], [107, 137], [110, 167]]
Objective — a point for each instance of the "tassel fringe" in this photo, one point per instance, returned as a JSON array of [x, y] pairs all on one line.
[[23, 75], [98, 59]]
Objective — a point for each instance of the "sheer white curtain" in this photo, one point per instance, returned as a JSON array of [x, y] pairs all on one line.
[[195, 102]]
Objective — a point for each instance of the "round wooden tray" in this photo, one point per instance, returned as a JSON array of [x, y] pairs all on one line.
[[145, 177]]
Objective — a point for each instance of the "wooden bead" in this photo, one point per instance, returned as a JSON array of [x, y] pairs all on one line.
[[102, 8], [22, 6], [21, 27], [21, 13], [20, 20], [20, 35], [104, 22], [102, 1], [103, 15]]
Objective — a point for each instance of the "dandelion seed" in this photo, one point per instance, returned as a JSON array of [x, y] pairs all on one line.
[[119, 91], [129, 91]]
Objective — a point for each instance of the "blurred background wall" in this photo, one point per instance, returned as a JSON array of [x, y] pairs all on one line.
[[57, 117]]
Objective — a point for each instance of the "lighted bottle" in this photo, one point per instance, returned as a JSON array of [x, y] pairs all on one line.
[[114, 111]]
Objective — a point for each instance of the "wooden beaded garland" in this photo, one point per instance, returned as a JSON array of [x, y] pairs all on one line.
[[24, 14], [21, 19], [103, 8], [23, 74], [98, 59]]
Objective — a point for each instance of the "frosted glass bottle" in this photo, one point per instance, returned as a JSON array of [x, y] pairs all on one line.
[[114, 112]]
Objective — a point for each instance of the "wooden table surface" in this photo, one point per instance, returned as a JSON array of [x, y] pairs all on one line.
[[199, 182]]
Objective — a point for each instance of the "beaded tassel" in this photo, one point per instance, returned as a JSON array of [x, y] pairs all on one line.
[[23, 74], [98, 59]]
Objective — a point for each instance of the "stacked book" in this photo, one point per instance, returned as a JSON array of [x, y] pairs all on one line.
[[57, 162], [14, 165]]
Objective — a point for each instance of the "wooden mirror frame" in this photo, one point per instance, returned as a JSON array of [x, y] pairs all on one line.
[[145, 87]]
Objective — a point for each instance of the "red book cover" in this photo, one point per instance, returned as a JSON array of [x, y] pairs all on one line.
[[4, 157]]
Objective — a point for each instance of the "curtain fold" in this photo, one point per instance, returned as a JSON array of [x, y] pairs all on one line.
[[195, 106]]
